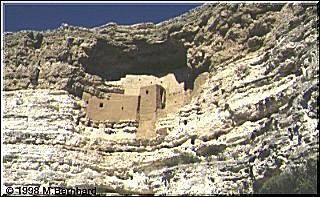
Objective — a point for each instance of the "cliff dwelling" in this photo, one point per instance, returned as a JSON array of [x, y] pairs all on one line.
[[219, 100], [152, 80], [145, 99]]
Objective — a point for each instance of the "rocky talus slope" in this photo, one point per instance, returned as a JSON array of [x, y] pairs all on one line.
[[254, 116]]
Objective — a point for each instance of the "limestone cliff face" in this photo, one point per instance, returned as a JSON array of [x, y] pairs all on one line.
[[254, 114]]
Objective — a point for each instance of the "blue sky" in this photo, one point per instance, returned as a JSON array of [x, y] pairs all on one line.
[[39, 17]]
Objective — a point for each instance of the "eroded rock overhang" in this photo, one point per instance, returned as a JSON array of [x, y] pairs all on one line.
[[113, 62]]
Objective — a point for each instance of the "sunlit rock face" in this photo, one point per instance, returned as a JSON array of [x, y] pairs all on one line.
[[251, 73]]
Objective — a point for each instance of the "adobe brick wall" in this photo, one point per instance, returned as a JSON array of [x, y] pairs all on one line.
[[86, 97], [116, 107], [150, 101], [145, 99], [198, 82], [113, 108], [168, 82], [146, 129]]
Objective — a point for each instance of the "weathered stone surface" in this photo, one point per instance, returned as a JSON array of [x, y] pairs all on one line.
[[255, 112]]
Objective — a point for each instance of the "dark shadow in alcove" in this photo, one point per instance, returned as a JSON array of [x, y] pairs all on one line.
[[113, 62]]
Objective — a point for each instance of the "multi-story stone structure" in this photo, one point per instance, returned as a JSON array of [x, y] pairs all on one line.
[[145, 99]]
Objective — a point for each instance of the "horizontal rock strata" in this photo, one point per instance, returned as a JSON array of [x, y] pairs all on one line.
[[254, 115]]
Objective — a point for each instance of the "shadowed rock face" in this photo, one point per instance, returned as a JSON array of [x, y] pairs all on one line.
[[255, 112], [112, 62]]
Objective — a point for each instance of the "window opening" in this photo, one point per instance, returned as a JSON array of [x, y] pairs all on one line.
[[185, 122]]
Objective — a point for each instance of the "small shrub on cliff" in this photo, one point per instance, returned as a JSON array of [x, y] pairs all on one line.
[[300, 180]]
